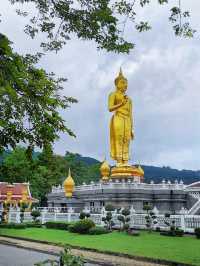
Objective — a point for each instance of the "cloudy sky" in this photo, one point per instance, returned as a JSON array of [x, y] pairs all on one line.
[[164, 83]]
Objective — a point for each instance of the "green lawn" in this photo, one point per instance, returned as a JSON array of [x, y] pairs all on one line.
[[181, 249]]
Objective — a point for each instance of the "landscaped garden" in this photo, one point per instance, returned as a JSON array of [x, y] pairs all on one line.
[[181, 249]]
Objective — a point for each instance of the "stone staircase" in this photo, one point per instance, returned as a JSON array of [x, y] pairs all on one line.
[[196, 206]]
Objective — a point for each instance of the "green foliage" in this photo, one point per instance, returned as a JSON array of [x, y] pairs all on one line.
[[109, 208], [197, 233], [45, 170], [124, 218], [67, 259], [173, 232], [108, 218], [98, 230], [84, 215], [13, 226], [57, 225], [151, 218], [29, 102], [82, 226], [101, 21], [33, 225], [35, 214]]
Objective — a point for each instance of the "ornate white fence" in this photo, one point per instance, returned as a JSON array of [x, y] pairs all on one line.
[[186, 222]]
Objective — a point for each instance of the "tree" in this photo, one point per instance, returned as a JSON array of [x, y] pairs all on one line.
[[103, 21], [108, 218], [29, 102], [16, 167], [35, 214], [124, 218], [44, 170], [151, 218]]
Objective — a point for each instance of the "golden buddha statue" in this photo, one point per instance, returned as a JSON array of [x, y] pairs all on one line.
[[121, 124]]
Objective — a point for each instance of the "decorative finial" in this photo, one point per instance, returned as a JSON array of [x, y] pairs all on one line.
[[120, 76], [105, 170], [69, 185]]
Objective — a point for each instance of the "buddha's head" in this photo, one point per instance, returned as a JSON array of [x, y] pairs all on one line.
[[121, 82]]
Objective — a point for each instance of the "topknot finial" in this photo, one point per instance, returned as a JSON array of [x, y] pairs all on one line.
[[120, 76]]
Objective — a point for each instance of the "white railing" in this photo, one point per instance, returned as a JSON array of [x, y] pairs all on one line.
[[130, 184], [184, 221]]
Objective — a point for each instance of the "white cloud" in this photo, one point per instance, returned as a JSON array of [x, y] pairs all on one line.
[[163, 74]]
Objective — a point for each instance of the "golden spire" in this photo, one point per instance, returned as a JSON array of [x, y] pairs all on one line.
[[141, 170], [120, 76], [105, 170], [69, 185]]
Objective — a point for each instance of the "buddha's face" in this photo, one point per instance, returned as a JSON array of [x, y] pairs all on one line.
[[122, 85]]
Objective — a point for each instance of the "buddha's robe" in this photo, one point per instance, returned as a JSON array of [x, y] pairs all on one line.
[[120, 127]]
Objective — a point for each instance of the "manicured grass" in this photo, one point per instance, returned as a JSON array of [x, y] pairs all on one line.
[[181, 249]]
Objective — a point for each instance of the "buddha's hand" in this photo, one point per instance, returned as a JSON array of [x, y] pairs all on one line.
[[125, 100], [132, 135]]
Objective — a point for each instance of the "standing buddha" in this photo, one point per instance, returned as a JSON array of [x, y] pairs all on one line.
[[121, 124]]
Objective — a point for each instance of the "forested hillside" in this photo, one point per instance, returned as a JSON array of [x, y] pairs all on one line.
[[46, 169]]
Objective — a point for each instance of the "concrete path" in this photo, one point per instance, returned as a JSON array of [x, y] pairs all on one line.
[[93, 257]]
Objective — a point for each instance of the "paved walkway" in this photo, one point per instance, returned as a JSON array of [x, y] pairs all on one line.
[[99, 258]]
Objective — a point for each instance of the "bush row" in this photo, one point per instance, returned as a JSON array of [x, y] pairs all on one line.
[[57, 225], [84, 226], [12, 225], [20, 226]]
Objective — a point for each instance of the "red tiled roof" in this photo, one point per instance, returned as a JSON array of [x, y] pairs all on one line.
[[17, 190]]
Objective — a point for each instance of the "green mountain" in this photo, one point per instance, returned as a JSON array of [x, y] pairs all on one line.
[[154, 173]]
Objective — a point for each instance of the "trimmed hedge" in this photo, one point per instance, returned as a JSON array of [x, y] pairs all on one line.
[[35, 225], [176, 232], [98, 230], [57, 225], [13, 226], [82, 226], [197, 233]]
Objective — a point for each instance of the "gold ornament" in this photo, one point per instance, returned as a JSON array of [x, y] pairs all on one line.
[[105, 170], [69, 185]]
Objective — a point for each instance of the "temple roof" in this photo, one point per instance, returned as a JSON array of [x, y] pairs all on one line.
[[17, 190]]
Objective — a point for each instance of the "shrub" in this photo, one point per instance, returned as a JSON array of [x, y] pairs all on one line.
[[176, 232], [57, 225], [197, 232], [124, 218], [35, 225], [82, 226], [151, 218], [109, 208], [84, 215], [13, 226], [133, 233], [35, 214], [179, 232], [98, 230]]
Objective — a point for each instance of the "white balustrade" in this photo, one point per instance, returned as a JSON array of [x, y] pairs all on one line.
[[184, 221]]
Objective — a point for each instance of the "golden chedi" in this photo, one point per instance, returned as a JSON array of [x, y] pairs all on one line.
[[121, 128], [105, 171], [69, 185]]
